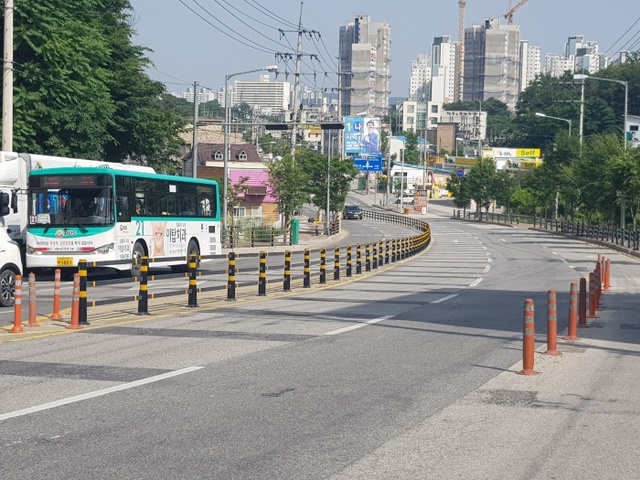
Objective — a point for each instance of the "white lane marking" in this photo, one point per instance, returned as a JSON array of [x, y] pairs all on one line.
[[444, 299], [486, 269], [503, 240], [97, 393], [360, 325], [476, 282], [489, 260]]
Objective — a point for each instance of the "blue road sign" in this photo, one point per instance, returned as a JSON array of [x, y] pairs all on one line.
[[368, 163], [459, 172]]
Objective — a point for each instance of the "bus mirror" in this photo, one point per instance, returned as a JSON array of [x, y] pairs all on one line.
[[4, 204]]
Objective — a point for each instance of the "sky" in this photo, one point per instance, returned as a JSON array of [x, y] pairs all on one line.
[[204, 40]]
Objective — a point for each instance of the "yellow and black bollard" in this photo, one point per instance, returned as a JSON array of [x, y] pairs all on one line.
[[336, 264], [82, 295], [306, 283], [375, 256], [386, 253], [348, 270], [381, 254], [231, 277], [262, 275], [286, 283], [323, 266], [393, 250], [358, 259], [367, 257], [193, 284], [143, 293]]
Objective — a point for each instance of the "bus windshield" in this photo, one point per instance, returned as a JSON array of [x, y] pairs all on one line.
[[71, 200]]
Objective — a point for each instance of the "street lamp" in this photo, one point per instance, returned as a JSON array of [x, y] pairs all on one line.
[[227, 116], [568, 120], [582, 78]]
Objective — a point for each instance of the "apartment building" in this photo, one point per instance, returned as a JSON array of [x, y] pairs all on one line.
[[492, 62], [364, 61]]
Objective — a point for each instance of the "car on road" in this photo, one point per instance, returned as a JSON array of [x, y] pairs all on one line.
[[406, 200], [10, 266], [352, 211]]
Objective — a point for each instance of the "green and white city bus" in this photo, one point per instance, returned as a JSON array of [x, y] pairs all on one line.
[[101, 214]]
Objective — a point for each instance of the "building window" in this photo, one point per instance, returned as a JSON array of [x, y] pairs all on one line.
[[242, 156], [434, 108], [218, 155], [410, 109], [409, 120]]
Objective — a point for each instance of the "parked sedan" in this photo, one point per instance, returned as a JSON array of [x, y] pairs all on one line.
[[352, 211]]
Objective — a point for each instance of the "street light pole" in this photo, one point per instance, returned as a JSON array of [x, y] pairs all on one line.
[[568, 120], [227, 146], [583, 78]]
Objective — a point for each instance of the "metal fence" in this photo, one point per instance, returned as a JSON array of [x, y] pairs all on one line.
[[610, 234]]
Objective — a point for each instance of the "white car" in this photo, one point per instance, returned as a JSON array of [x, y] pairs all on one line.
[[406, 200], [10, 266]]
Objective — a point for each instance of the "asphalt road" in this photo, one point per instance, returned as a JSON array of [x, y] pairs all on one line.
[[294, 387]]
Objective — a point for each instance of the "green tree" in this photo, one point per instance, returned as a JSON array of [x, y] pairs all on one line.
[[288, 179], [411, 153], [80, 89], [341, 172]]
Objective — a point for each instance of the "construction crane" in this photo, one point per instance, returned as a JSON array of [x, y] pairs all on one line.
[[459, 79], [509, 14]]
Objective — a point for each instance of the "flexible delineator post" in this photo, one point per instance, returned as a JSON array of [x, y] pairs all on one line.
[[56, 296], [17, 306], [572, 333], [552, 324], [528, 340]]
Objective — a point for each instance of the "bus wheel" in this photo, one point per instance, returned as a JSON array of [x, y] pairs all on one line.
[[136, 258], [193, 248]]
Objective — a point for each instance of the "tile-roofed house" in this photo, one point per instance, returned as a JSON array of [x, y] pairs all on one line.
[[259, 201], [258, 198]]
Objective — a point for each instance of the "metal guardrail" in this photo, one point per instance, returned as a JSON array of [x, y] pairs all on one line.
[[608, 234], [387, 251]]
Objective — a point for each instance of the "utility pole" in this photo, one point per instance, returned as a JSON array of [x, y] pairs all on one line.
[[7, 79], [294, 128], [194, 150]]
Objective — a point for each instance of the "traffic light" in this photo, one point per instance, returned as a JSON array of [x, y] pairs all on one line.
[[276, 126]]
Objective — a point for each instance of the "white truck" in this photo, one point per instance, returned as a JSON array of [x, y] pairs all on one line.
[[10, 261]]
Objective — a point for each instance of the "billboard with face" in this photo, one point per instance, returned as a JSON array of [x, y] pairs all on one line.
[[362, 136]]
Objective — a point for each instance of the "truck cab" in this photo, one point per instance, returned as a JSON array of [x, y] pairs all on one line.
[[10, 260]]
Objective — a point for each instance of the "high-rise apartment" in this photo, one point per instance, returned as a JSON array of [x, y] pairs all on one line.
[[364, 51], [443, 69], [492, 62], [530, 63], [420, 80]]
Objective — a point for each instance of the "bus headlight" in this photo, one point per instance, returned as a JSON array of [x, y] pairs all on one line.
[[104, 249]]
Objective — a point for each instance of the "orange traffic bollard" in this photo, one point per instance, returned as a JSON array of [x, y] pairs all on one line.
[[17, 307], [592, 296], [582, 303], [572, 333], [552, 325], [607, 275], [528, 340], [56, 297], [32, 300], [75, 304]]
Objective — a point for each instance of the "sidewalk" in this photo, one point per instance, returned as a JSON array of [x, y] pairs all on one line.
[[579, 418]]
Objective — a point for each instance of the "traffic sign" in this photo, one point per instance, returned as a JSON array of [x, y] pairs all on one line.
[[368, 163], [459, 172]]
